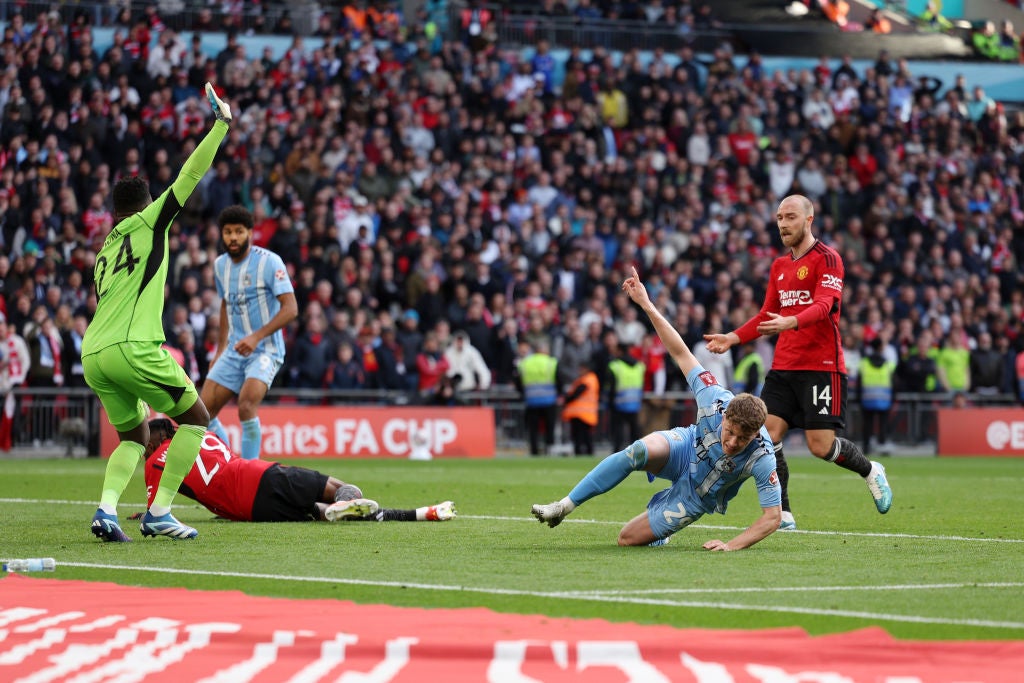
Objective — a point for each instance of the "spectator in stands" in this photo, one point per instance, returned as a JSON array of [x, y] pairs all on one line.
[[477, 28], [876, 397], [312, 354], [345, 372], [506, 352], [978, 104], [585, 11], [431, 368], [952, 364], [986, 41], [45, 349], [625, 396], [580, 408], [366, 348], [878, 22], [932, 17], [15, 364], [466, 366], [720, 364], [71, 354], [537, 380], [575, 349], [836, 11], [1009, 42], [917, 368], [410, 340], [750, 371], [987, 367]]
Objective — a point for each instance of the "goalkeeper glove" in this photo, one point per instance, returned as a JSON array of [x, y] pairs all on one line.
[[220, 108]]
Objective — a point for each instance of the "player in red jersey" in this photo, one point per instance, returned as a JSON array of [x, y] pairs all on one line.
[[806, 386], [261, 491]]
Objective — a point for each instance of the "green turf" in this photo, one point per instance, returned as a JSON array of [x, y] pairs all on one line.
[[917, 572]]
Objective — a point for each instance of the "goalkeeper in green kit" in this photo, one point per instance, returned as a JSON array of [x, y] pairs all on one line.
[[122, 356]]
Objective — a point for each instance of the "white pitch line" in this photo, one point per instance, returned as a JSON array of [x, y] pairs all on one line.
[[871, 534], [604, 597], [803, 589], [500, 518]]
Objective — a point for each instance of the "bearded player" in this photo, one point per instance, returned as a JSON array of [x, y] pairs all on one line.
[[257, 301], [806, 386]]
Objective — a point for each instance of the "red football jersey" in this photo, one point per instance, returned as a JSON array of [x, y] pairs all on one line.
[[811, 288], [219, 480]]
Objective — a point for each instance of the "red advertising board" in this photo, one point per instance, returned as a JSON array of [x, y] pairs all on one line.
[[357, 432], [63, 630], [981, 431]]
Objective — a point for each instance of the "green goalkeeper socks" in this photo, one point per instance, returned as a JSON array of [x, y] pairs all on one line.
[[120, 468], [181, 454]]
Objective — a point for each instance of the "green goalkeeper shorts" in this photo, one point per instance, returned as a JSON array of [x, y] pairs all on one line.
[[129, 375]]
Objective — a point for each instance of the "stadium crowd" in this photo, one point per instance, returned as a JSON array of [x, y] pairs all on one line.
[[419, 187]]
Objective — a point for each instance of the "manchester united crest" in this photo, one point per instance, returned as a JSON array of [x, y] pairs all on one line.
[[801, 272]]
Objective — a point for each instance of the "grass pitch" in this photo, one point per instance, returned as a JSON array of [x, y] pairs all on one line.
[[947, 562]]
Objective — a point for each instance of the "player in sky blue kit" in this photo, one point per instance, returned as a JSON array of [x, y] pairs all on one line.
[[257, 300], [706, 462]]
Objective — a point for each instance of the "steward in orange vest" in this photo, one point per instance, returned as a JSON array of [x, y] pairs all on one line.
[[580, 409]]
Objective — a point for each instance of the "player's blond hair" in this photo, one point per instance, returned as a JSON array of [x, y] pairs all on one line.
[[747, 412]]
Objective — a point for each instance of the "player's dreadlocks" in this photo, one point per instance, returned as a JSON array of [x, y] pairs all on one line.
[[163, 426]]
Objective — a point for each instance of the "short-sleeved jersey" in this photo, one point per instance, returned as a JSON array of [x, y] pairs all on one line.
[[131, 267], [250, 290], [705, 478], [795, 287], [220, 481]]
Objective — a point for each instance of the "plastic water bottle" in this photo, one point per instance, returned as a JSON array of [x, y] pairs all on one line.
[[33, 564]]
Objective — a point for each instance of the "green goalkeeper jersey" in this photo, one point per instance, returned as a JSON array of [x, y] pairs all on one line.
[[131, 268]]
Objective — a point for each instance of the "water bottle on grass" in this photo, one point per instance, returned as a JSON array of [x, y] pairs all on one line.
[[33, 564]]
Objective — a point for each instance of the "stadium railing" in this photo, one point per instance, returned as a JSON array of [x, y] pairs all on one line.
[[65, 422]]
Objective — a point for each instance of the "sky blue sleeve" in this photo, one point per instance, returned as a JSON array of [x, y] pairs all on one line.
[[280, 282], [705, 387], [769, 492], [217, 274]]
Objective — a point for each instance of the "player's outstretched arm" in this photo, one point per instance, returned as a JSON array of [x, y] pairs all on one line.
[[720, 343], [674, 344], [767, 523], [767, 321], [199, 162]]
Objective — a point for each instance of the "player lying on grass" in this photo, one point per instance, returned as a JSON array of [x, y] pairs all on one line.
[[261, 491], [706, 462]]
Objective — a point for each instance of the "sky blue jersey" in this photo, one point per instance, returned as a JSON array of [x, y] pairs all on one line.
[[250, 290], [704, 478]]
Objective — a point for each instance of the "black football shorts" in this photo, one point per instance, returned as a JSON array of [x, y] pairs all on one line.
[[807, 399]]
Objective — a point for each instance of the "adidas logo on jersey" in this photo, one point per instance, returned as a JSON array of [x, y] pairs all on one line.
[[823, 411]]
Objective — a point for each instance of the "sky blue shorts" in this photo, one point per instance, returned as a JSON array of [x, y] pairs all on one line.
[[232, 369], [673, 508]]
